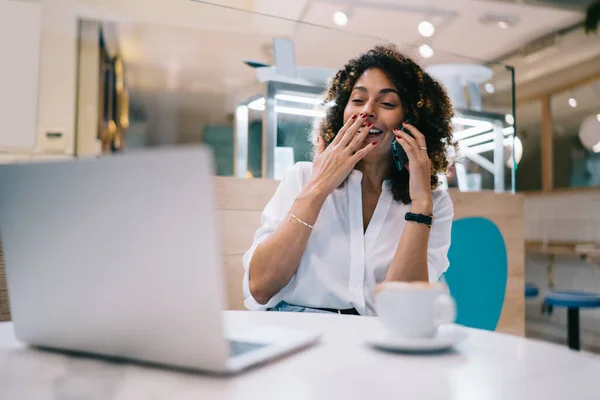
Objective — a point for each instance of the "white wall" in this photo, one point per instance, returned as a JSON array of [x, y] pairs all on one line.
[[58, 68], [57, 96], [20, 26], [567, 216], [39, 86]]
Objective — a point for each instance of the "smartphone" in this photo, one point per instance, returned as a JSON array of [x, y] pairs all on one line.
[[400, 157]]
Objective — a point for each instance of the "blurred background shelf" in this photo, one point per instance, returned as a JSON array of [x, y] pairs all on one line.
[[585, 250]]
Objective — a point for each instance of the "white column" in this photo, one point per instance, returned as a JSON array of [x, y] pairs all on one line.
[[88, 89], [498, 157], [58, 76], [240, 141]]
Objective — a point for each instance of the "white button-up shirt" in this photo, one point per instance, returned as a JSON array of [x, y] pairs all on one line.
[[342, 264]]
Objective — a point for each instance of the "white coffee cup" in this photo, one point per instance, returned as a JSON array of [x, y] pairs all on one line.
[[414, 309]]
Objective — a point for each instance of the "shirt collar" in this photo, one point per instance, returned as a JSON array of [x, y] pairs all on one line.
[[356, 177]]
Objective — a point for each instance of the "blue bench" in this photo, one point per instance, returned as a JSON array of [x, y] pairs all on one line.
[[531, 290], [573, 300]]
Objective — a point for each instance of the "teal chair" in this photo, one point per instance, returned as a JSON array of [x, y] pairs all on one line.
[[478, 272]]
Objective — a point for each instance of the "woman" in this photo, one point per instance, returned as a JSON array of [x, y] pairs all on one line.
[[351, 219]]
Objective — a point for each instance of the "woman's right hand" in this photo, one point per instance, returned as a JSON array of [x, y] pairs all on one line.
[[332, 165], [270, 268]]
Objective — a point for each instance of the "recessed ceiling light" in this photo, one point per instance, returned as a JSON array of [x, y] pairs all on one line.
[[340, 18], [425, 51], [509, 119], [501, 21], [426, 29], [489, 88], [572, 102]]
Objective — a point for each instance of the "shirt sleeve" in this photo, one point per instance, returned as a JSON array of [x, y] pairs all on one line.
[[439, 237], [272, 216]]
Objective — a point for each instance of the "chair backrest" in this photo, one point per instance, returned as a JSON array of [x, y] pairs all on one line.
[[478, 272]]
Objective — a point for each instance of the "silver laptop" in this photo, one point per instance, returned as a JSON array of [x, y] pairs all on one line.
[[119, 256]]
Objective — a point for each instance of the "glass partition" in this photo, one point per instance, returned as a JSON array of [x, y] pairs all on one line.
[[576, 136], [250, 86], [529, 174]]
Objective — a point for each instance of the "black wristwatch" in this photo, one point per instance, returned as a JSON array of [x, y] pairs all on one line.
[[420, 218]]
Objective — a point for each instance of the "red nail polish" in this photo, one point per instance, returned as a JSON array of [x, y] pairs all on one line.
[[353, 116], [404, 123], [369, 125], [373, 143], [364, 115]]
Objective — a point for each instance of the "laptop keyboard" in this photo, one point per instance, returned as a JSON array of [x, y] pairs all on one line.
[[237, 348]]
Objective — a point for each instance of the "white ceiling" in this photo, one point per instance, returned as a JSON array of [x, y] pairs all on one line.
[[459, 29], [197, 49]]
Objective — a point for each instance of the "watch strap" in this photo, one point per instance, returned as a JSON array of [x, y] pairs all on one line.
[[420, 218]]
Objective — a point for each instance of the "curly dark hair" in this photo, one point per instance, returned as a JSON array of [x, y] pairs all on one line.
[[421, 96]]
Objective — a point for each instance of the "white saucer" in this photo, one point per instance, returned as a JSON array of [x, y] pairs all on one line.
[[447, 337]]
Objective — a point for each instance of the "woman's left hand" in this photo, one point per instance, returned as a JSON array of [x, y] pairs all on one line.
[[419, 167]]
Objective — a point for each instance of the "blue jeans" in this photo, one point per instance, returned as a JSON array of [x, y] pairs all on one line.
[[285, 307]]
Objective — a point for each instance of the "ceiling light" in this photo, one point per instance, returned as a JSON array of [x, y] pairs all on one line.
[[485, 137], [515, 148], [476, 127], [501, 21], [426, 29], [598, 117], [299, 99], [589, 133], [509, 119], [300, 111], [489, 88], [425, 51], [572, 102], [340, 18], [482, 148], [258, 104]]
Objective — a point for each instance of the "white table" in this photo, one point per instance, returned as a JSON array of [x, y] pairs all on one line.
[[486, 366]]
